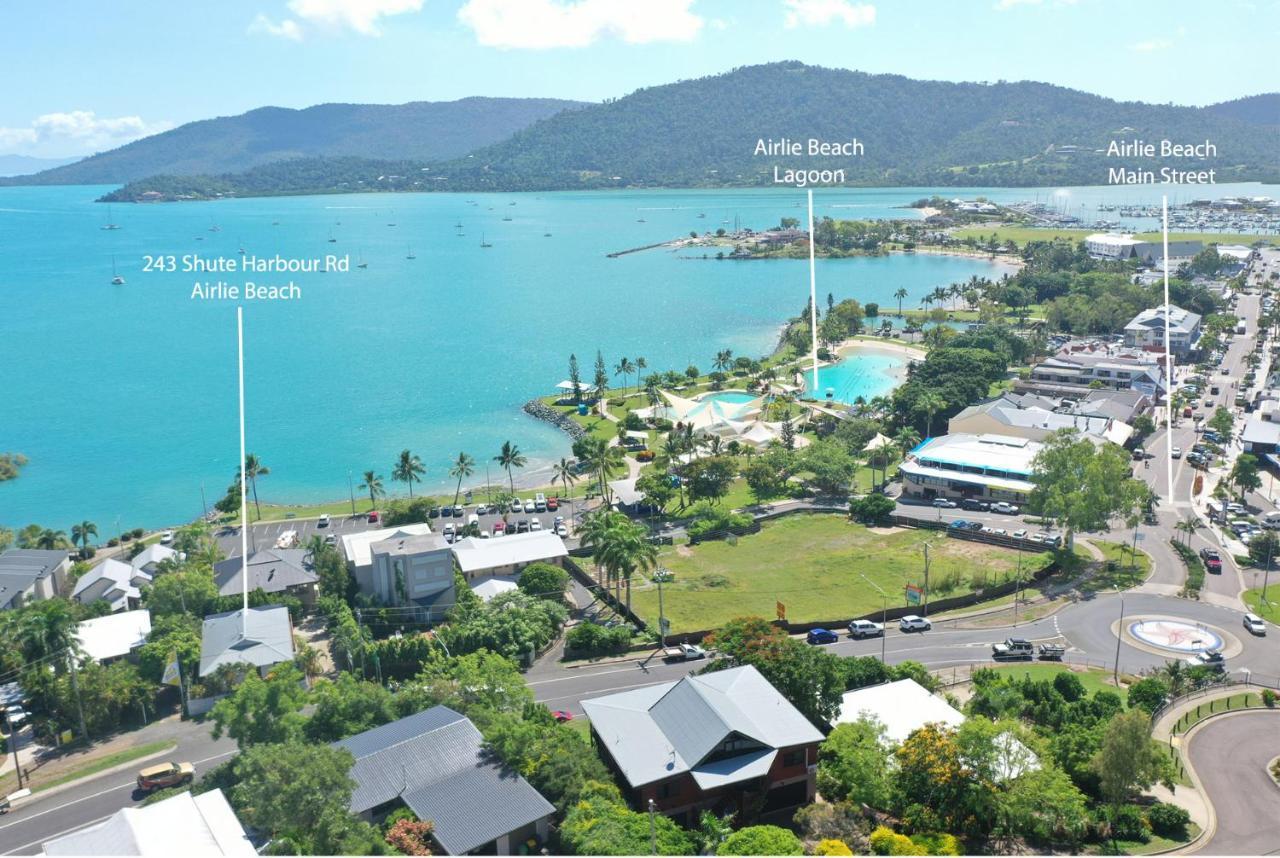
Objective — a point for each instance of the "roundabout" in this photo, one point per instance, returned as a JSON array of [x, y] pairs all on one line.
[[1175, 636]]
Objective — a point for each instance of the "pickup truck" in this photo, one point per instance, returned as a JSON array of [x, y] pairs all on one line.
[[1012, 648], [683, 652]]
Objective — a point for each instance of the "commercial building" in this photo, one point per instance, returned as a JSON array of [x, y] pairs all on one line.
[[987, 467], [1076, 374], [119, 584], [435, 764], [31, 575], [1108, 245], [414, 570], [724, 741], [1261, 433], [272, 570], [1146, 330], [508, 555], [184, 824], [1012, 415]]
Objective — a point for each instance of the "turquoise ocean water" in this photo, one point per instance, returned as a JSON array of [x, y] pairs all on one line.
[[124, 397]]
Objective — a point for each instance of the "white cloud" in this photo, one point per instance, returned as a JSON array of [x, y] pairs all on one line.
[[1003, 5], [819, 13], [1151, 45], [78, 132], [286, 29], [542, 24], [359, 15]]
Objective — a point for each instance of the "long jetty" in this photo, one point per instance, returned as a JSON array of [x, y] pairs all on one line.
[[618, 253]]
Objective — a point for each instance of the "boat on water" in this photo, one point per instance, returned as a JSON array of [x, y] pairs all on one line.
[[640, 220], [702, 214], [484, 243], [410, 255], [110, 224], [362, 263], [215, 228], [546, 235], [116, 279], [507, 218], [332, 240], [458, 225]]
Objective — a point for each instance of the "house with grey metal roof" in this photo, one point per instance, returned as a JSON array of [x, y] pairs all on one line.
[[150, 558], [435, 764], [263, 638], [272, 570], [722, 741], [119, 584], [31, 575]]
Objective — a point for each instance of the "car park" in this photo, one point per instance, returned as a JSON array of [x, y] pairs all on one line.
[[944, 503], [865, 629], [1254, 624], [913, 623], [821, 636], [1004, 508]]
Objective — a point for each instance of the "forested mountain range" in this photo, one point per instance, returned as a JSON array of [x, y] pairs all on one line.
[[702, 133], [419, 131]]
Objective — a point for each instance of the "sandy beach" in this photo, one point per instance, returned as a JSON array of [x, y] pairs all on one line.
[[1005, 259], [887, 349]]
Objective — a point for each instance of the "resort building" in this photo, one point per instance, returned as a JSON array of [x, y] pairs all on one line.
[[31, 575], [1117, 246], [508, 555], [1076, 374], [723, 741], [262, 638], [1008, 415], [1147, 329], [184, 824], [272, 570], [119, 584], [114, 636], [435, 764], [415, 570], [986, 467]]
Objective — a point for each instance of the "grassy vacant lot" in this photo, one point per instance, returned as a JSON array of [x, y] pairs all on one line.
[[811, 563], [1268, 610], [1093, 679]]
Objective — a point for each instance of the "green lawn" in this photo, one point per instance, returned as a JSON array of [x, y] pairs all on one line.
[[1092, 679], [1268, 610], [1243, 700], [811, 564], [1127, 573], [9, 782]]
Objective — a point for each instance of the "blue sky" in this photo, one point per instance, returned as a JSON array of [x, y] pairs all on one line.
[[87, 75]]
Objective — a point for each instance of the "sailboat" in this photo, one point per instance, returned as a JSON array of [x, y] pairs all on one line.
[[410, 254], [508, 217], [332, 240], [110, 224], [362, 263], [116, 279], [484, 243]]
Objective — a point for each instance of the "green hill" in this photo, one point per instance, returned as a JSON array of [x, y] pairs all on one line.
[[420, 131]]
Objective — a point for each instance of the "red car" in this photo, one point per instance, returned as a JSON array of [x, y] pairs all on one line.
[[373, 517], [562, 716], [553, 504], [499, 526]]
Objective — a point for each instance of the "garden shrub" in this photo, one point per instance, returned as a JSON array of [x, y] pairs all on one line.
[[1128, 823], [886, 841], [938, 843], [832, 847], [1168, 820], [592, 639], [1269, 698]]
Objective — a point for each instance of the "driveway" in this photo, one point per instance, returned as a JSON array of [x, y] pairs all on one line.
[[1230, 754]]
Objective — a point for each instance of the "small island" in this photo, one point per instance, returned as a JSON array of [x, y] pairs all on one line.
[[10, 465]]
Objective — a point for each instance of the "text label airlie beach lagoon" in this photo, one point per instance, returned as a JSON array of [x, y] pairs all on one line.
[[812, 147]]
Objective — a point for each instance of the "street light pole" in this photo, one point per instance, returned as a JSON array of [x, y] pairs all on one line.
[[1115, 675], [926, 580], [884, 611], [1017, 586], [13, 740], [351, 487], [653, 830]]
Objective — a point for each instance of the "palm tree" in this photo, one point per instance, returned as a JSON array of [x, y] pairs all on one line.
[[593, 534], [47, 628], [51, 540], [407, 469], [724, 360], [563, 472], [907, 439], [253, 468], [604, 461], [81, 532], [463, 466], [1188, 527], [641, 366], [509, 458], [624, 368], [930, 403], [900, 294], [373, 483]]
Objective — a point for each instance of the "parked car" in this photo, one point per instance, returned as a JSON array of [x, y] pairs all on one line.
[[434, 512], [973, 525], [1212, 560], [975, 505], [860, 629], [1254, 624], [1004, 508], [821, 636], [373, 517], [166, 537], [944, 503], [684, 652], [473, 519], [482, 509], [165, 775], [331, 539], [446, 512], [1176, 452], [959, 524], [553, 504], [562, 531], [484, 534], [1019, 534], [458, 511], [499, 526], [913, 623], [324, 521], [522, 526], [535, 524]]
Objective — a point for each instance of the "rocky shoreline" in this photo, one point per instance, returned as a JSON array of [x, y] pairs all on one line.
[[559, 419]]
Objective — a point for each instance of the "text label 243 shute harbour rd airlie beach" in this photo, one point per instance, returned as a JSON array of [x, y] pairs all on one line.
[[194, 263]]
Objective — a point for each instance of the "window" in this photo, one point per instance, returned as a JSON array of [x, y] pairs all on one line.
[[791, 759], [670, 789]]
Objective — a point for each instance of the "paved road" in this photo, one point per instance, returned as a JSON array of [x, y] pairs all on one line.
[[1230, 755], [23, 830]]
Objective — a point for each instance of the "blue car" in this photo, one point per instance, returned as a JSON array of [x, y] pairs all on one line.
[[958, 524], [822, 636]]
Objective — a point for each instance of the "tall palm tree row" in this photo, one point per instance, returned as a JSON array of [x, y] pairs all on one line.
[[564, 472], [620, 548], [510, 457], [624, 368], [408, 469]]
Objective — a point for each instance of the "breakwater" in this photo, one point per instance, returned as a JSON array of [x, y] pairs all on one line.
[[542, 411]]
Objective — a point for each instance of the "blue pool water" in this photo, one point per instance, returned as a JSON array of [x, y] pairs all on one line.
[[736, 397], [124, 397], [865, 374]]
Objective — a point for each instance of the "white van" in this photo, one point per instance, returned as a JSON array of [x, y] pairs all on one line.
[[1271, 521], [473, 519]]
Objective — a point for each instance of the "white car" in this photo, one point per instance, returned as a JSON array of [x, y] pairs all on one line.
[[562, 531], [1176, 452], [1006, 508], [865, 629], [536, 524], [482, 510], [484, 534], [943, 503], [1019, 534], [166, 537], [912, 623], [324, 521], [516, 505], [448, 529], [1254, 624]]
